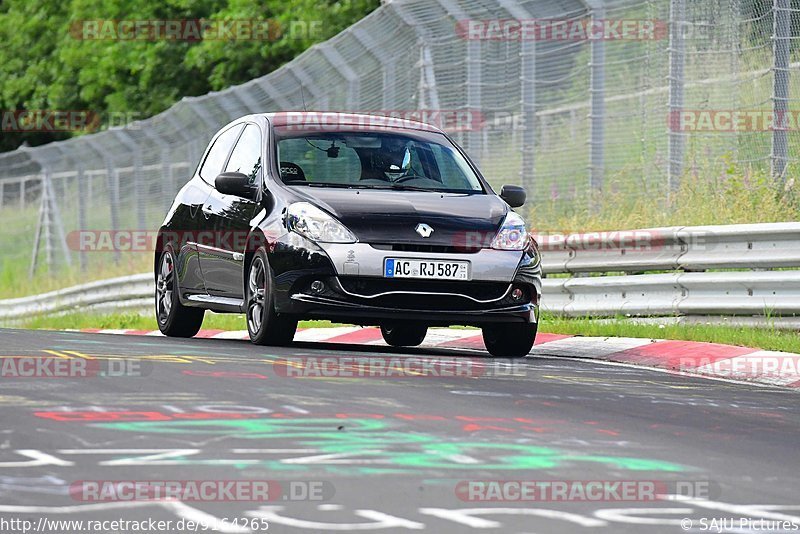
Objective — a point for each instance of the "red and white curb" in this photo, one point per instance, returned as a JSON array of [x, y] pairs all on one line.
[[689, 357]]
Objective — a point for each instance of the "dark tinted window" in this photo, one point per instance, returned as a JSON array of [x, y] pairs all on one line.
[[246, 157], [212, 166]]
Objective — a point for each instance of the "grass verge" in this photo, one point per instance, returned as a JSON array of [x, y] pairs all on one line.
[[134, 321], [765, 338], [761, 338]]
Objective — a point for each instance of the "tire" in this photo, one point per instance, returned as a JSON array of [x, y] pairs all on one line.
[[403, 335], [509, 340], [264, 324], [173, 318]]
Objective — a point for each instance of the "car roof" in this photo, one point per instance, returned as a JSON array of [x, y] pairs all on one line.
[[330, 118]]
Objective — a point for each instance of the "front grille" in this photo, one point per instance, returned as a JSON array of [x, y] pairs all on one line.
[[438, 249], [426, 302], [373, 286]]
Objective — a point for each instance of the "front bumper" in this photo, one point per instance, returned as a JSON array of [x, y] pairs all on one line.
[[345, 282]]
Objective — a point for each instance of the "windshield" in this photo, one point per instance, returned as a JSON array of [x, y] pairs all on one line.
[[374, 160]]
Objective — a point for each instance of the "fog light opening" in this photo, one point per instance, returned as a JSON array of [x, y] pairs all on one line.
[[517, 294], [317, 286]]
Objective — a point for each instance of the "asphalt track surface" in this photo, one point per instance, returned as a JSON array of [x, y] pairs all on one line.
[[387, 454]]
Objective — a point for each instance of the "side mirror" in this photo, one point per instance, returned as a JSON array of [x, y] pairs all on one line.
[[514, 195], [235, 183]]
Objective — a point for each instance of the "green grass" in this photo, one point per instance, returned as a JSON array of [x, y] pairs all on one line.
[[761, 338], [133, 321], [708, 196], [765, 338], [729, 196]]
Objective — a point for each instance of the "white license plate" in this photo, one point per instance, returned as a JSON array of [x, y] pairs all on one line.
[[430, 269]]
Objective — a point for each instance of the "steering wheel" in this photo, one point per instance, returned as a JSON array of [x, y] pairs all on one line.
[[408, 175]]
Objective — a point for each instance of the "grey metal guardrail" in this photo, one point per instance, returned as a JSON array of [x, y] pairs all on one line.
[[126, 293], [750, 270], [696, 248]]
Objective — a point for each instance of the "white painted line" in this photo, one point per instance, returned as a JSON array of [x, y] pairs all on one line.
[[589, 347], [114, 331], [437, 336], [323, 334], [232, 334]]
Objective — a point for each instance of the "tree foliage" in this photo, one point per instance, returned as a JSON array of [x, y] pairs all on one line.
[[43, 66]]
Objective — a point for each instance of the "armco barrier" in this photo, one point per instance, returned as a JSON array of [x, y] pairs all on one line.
[[124, 293], [704, 276], [698, 248]]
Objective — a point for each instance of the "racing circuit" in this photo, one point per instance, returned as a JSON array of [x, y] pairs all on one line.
[[393, 453], [501, 266]]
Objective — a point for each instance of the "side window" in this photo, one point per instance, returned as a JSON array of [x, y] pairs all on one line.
[[246, 157], [212, 166]]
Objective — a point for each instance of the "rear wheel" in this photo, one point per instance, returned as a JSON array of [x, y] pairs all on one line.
[[403, 335], [264, 324], [509, 340], [174, 319]]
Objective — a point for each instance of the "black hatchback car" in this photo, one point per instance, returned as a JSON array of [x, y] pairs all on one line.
[[352, 218]]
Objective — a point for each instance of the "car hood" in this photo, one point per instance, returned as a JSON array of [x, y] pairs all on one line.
[[391, 217]]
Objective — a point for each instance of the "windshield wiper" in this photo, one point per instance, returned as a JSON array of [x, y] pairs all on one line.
[[326, 184]]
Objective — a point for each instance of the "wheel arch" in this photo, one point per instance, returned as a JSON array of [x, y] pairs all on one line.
[[159, 246], [255, 240]]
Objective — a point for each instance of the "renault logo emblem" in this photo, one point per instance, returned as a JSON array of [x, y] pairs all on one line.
[[424, 230]]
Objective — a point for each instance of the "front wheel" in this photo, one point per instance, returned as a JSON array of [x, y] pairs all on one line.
[[264, 324], [509, 340], [403, 335], [174, 319]]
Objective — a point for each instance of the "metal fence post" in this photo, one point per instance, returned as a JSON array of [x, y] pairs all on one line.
[[139, 187], [597, 91], [781, 39], [429, 92], [82, 195], [387, 66], [342, 67], [474, 96], [677, 63], [49, 226], [112, 185], [140, 204], [528, 80]]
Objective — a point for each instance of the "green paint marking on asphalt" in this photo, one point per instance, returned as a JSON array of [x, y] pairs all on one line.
[[375, 449]]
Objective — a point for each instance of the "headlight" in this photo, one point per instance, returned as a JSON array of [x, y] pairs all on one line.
[[512, 235], [313, 223]]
